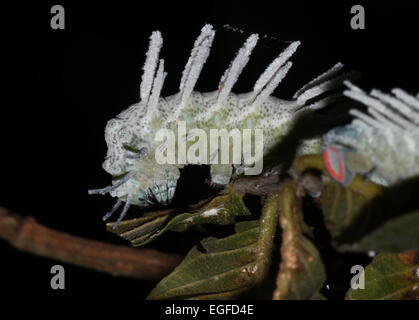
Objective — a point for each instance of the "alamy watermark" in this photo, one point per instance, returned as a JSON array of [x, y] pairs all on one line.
[[58, 280], [358, 280], [58, 18], [358, 19], [220, 147]]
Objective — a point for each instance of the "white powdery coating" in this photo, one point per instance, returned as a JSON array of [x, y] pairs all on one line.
[[352, 86], [399, 106], [269, 80], [135, 126], [155, 95], [150, 65], [270, 87], [322, 103], [392, 140], [273, 68], [321, 78], [388, 112], [236, 67], [230, 77], [407, 98], [365, 119], [194, 65], [382, 119], [326, 86], [376, 108]]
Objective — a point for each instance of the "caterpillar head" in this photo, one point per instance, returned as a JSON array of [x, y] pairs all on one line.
[[130, 159]]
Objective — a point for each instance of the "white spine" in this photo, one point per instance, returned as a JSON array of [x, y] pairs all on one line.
[[236, 67], [273, 68], [269, 80], [322, 103], [231, 75], [271, 85], [326, 86], [158, 82], [407, 98], [150, 65], [381, 112], [366, 119], [333, 71], [401, 107], [197, 59]]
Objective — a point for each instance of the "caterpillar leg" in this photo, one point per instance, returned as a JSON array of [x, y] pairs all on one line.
[[221, 173]]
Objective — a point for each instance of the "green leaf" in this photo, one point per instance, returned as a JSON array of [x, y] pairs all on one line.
[[390, 276], [395, 235], [365, 216], [301, 273], [222, 210], [308, 162], [225, 268], [351, 212]]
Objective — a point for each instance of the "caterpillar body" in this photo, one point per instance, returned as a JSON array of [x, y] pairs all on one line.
[[130, 137], [382, 143]]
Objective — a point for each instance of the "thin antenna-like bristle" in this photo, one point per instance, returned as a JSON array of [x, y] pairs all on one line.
[[333, 71], [150, 65], [326, 86], [155, 95], [199, 55], [112, 211], [124, 211], [231, 75], [113, 187]]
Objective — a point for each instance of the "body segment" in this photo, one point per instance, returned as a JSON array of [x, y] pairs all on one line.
[[382, 143]]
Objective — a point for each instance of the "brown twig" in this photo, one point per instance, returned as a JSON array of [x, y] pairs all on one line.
[[258, 186], [264, 185], [25, 234]]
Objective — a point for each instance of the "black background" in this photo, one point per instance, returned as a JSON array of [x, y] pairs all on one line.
[[62, 86]]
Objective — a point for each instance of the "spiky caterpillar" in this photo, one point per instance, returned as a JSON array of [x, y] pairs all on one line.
[[130, 137], [383, 143]]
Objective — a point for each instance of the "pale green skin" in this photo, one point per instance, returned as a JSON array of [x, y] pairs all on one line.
[[275, 117]]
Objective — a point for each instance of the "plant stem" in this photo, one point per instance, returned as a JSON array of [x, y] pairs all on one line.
[[26, 234]]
